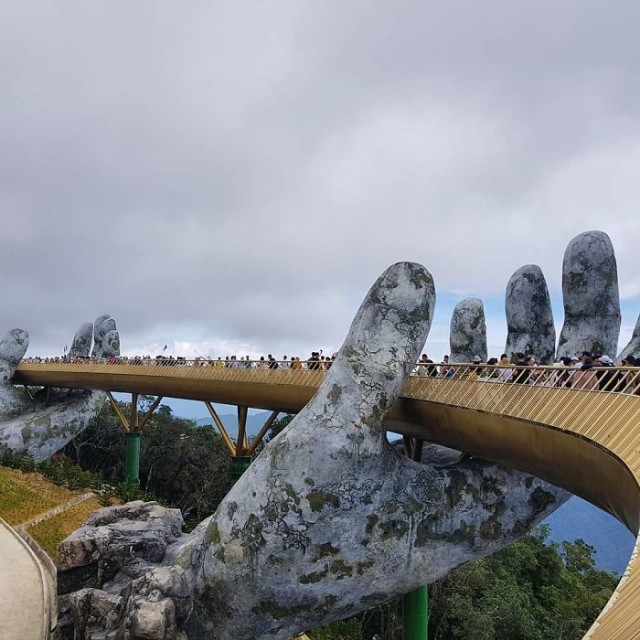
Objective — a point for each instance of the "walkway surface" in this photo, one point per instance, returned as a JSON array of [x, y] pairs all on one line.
[[22, 592]]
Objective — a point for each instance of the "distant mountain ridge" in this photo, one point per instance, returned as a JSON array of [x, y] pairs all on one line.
[[255, 422]]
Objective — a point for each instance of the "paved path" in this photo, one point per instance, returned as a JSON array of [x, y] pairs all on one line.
[[22, 593]]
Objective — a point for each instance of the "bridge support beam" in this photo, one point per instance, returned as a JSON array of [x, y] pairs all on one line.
[[221, 428], [415, 605], [263, 431], [241, 448], [133, 430]]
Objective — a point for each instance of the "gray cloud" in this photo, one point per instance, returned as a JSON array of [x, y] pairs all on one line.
[[242, 174]]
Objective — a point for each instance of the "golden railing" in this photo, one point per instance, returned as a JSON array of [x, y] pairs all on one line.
[[580, 430]]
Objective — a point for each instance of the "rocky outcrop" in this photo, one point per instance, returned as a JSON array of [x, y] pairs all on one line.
[[109, 536], [590, 294], [633, 347], [530, 328], [126, 596], [468, 336]]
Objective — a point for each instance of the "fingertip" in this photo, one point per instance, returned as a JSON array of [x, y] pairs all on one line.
[[14, 345], [405, 287]]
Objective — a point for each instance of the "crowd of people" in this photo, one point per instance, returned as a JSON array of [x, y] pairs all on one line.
[[316, 361], [584, 371]]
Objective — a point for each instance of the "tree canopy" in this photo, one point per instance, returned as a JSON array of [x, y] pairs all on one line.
[[185, 465]]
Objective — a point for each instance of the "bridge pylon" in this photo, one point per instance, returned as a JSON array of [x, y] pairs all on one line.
[[133, 430], [241, 448]]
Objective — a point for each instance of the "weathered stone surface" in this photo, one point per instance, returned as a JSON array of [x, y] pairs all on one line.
[[42, 429], [111, 344], [530, 327], [135, 599], [633, 347], [110, 535], [41, 426], [329, 520], [81, 345], [591, 299], [152, 618], [101, 327], [468, 336], [94, 611], [12, 348]]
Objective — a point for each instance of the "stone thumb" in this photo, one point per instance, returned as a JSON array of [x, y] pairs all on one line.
[[381, 348], [12, 348]]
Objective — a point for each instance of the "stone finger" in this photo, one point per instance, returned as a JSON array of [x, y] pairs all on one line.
[[468, 336], [12, 349], [381, 348], [530, 328], [590, 294], [81, 345], [105, 326]]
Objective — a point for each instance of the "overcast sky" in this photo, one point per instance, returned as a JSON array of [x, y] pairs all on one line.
[[230, 178]]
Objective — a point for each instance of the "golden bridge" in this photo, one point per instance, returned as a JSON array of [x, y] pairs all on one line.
[[586, 440]]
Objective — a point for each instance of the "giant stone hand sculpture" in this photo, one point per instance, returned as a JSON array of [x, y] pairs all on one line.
[[328, 521], [42, 425]]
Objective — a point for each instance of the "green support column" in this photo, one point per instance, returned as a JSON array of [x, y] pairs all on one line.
[[132, 458], [239, 464], [415, 614]]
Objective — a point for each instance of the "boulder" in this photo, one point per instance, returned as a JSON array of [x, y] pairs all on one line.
[[128, 596], [110, 536]]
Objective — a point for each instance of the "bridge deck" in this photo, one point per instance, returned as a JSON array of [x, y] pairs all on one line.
[[586, 441]]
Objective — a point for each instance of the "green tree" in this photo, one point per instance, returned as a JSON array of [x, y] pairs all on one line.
[[186, 465], [529, 591], [278, 426], [182, 464]]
